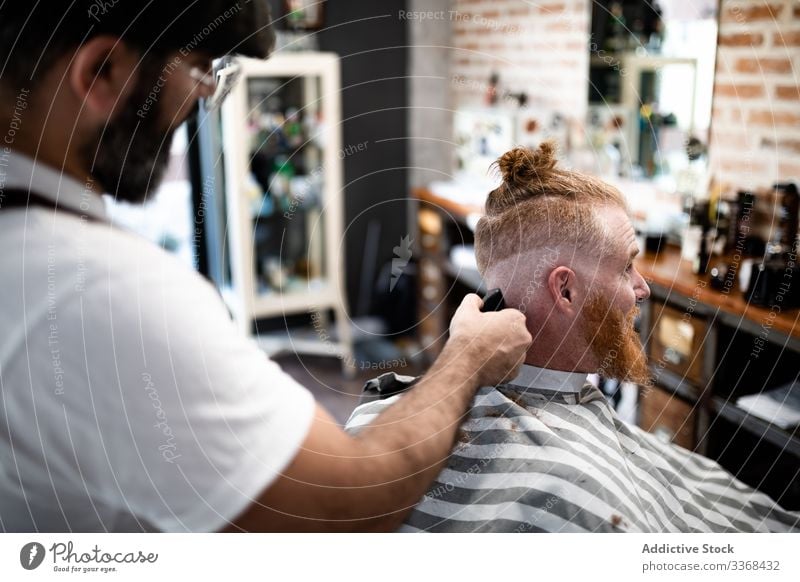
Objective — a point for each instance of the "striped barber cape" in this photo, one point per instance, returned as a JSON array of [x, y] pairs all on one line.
[[547, 453]]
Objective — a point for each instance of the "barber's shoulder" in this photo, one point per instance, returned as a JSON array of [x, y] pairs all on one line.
[[127, 271], [135, 258]]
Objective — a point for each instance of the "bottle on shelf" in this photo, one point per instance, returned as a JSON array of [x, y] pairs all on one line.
[[700, 266], [788, 209], [700, 221], [616, 29]]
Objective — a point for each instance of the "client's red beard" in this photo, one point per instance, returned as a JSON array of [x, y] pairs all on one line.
[[613, 340]]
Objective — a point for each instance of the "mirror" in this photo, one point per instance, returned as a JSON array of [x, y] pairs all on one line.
[[651, 78]]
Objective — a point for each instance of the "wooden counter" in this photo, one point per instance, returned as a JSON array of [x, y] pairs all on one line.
[[459, 211], [669, 275]]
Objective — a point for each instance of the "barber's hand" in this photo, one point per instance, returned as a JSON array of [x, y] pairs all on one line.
[[494, 343]]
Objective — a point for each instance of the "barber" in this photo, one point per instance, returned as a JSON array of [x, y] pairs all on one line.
[[129, 400]]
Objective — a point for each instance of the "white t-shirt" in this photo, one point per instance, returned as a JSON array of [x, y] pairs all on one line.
[[129, 400]]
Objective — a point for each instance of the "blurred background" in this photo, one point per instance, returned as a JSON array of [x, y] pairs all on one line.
[[333, 200]]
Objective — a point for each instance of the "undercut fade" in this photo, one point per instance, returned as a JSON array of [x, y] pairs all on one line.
[[542, 205]]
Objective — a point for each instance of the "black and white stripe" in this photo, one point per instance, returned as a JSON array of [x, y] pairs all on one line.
[[541, 460]]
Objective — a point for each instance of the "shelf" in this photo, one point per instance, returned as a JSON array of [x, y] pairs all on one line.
[[784, 440], [260, 214], [275, 304], [676, 383], [456, 210], [672, 279], [275, 344]]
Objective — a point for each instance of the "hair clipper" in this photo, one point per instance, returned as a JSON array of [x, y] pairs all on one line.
[[493, 301]]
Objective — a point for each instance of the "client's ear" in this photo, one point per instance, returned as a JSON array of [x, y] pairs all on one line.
[[561, 284]]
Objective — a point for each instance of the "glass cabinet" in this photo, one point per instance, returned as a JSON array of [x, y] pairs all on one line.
[[281, 138]]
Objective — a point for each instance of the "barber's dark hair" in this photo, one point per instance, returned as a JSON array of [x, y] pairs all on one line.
[[34, 33]]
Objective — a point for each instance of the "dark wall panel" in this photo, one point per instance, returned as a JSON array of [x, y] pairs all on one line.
[[371, 40]]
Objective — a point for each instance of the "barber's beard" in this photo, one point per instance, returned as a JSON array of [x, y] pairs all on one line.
[[129, 156], [614, 342]]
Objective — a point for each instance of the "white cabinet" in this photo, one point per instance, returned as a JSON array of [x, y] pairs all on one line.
[[281, 137]]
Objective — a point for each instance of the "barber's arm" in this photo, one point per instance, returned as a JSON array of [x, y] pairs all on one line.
[[370, 482]]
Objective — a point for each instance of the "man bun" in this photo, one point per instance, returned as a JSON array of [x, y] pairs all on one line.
[[525, 172], [521, 165]]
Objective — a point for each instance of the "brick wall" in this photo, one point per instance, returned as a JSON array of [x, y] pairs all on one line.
[[756, 114], [541, 48], [536, 47]]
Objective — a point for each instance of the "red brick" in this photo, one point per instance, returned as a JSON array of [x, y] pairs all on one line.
[[551, 8], [791, 92], [764, 65], [740, 91], [751, 13], [785, 144], [560, 25], [741, 39], [739, 140], [773, 118], [742, 165], [787, 38], [788, 170]]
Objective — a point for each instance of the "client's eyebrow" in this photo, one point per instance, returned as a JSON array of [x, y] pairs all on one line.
[[632, 255]]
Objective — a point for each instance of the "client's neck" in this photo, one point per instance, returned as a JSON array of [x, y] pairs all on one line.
[[559, 351]]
